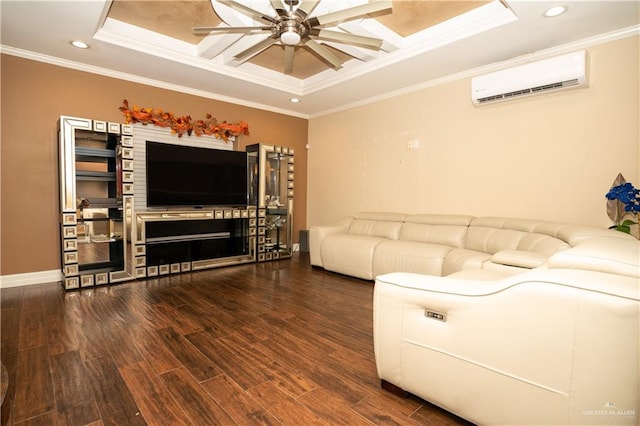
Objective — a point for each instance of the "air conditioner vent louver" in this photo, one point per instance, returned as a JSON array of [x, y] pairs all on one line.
[[531, 91], [561, 72]]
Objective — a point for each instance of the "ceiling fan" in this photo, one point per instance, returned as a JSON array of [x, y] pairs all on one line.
[[292, 26]]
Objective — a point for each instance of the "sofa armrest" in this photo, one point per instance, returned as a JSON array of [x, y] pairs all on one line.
[[541, 341], [519, 258], [611, 255], [317, 234]]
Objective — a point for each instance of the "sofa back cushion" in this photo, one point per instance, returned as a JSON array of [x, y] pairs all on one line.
[[524, 225], [540, 243], [384, 216], [449, 230], [376, 224], [494, 234], [492, 240]]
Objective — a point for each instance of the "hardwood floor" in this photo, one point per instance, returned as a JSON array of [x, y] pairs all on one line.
[[272, 343]]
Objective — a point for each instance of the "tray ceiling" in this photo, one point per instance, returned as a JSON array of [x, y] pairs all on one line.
[[175, 19], [151, 42]]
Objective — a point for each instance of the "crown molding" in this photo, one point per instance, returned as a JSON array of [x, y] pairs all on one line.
[[542, 54], [78, 66]]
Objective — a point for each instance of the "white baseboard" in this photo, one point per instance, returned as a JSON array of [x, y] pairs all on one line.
[[30, 278]]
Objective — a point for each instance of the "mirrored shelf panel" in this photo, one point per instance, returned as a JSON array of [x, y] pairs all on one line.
[[95, 232]]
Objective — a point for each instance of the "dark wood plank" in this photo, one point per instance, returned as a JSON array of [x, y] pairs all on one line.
[[32, 329], [152, 346], [10, 323], [33, 298], [380, 407], [201, 367], [171, 317], [34, 387], [237, 403], [194, 399], [332, 408], [152, 397], [45, 419], [116, 405], [120, 342], [74, 399], [231, 362], [293, 381], [429, 414], [283, 407], [61, 336]]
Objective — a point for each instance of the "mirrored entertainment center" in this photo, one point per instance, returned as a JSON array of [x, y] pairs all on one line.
[[139, 202]]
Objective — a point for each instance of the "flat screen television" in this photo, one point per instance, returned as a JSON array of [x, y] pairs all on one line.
[[179, 175]]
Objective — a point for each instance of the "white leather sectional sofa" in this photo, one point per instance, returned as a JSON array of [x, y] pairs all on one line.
[[374, 243], [500, 321]]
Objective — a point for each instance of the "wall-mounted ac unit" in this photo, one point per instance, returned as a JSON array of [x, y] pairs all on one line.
[[561, 72]]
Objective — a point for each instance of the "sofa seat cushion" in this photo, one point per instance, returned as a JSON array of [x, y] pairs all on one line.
[[409, 256], [463, 259], [480, 275], [350, 254]]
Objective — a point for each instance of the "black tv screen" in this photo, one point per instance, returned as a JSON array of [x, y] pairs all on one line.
[[179, 175]]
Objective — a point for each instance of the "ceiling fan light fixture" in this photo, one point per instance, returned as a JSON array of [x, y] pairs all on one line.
[[290, 37]]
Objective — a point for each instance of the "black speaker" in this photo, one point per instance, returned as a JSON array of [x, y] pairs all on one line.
[[304, 241]]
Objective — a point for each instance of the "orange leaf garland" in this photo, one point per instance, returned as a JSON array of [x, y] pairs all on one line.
[[183, 124]]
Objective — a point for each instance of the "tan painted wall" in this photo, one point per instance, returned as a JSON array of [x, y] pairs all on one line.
[[550, 157], [35, 94]]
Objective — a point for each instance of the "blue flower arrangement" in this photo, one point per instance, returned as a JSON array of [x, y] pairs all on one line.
[[629, 197]]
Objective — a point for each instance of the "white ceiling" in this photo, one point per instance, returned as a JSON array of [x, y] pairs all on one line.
[[472, 42]]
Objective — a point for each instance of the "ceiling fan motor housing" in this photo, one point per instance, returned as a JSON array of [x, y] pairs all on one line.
[[290, 29], [295, 27]]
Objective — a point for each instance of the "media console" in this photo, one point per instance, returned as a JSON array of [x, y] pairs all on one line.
[[113, 231], [167, 242]]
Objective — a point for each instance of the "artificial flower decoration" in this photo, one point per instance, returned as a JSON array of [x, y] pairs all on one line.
[[183, 124], [624, 199], [628, 195]]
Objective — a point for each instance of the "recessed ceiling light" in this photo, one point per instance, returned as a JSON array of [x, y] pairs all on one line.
[[294, 100], [554, 11], [79, 44]]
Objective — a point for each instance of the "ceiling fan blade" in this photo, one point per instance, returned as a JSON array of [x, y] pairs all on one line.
[[255, 49], [288, 58], [306, 7], [229, 29], [350, 13], [324, 53], [248, 11], [278, 7], [348, 38]]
